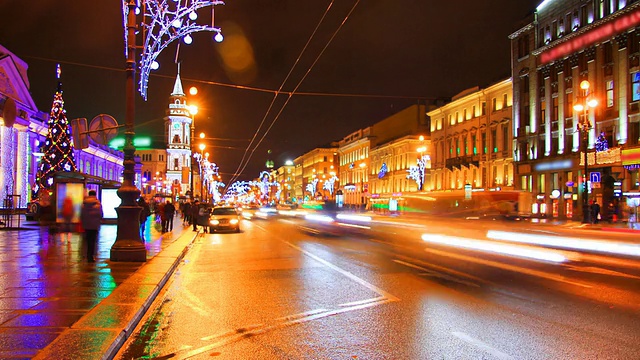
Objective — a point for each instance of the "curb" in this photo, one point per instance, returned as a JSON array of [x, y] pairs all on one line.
[[115, 346], [621, 230]]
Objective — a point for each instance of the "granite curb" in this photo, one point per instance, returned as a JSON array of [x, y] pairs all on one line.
[[101, 333]]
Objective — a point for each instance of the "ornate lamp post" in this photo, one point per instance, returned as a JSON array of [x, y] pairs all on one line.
[[193, 110], [200, 163], [163, 22], [584, 126]]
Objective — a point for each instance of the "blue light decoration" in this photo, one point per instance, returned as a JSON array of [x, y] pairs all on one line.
[[163, 22], [601, 143], [383, 171]]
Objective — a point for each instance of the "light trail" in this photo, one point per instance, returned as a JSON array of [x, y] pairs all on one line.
[[564, 242]]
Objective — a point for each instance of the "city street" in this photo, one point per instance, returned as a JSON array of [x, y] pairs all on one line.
[[275, 292]]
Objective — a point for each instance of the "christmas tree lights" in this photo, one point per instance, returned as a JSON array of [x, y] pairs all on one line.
[[58, 147]]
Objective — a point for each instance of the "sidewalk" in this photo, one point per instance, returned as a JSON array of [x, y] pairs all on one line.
[[56, 305]]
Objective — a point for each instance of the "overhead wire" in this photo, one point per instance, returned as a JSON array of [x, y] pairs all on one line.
[[242, 165]]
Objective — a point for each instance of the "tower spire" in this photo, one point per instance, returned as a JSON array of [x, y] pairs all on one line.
[[177, 87]]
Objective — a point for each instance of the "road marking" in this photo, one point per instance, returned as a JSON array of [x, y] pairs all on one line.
[[509, 267], [345, 273], [482, 345], [366, 301]]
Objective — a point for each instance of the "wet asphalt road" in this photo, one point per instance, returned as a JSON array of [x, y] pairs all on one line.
[[274, 292]]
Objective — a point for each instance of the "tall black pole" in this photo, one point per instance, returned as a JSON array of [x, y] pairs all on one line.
[[128, 245], [585, 197]]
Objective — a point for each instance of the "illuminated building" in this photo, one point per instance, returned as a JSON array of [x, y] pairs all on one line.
[[471, 139], [563, 44]]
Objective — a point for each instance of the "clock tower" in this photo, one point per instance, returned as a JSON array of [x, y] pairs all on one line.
[[177, 123]]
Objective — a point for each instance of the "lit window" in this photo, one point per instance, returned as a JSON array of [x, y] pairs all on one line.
[[610, 93]]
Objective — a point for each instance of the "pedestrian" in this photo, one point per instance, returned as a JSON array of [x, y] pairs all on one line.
[[186, 210], [203, 217], [595, 212], [169, 213], [144, 215], [91, 218], [67, 213], [194, 215], [160, 217]]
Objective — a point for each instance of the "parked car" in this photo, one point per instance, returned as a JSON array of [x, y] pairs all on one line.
[[224, 218]]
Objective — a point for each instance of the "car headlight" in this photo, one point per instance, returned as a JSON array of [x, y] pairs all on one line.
[[214, 222], [234, 221]]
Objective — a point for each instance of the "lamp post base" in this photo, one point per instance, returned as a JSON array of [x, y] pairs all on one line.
[[128, 246]]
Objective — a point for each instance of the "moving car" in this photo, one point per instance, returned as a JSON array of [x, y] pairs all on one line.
[[224, 218]]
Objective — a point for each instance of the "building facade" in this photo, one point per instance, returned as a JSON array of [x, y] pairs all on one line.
[[21, 137], [353, 165], [313, 171], [565, 43], [472, 140]]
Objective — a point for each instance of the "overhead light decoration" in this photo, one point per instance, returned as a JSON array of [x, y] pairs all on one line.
[[218, 37], [164, 21], [188, 39]]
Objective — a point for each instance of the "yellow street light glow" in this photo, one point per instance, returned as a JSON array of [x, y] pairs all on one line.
[[422, 149], [193, 109], [202, 146], [193, 90], [584, 85], [202, 135], [421, 138], [592, 103], [578, 107]]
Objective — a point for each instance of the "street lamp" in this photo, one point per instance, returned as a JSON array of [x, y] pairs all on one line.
[[584, 126], [157, 17], [202, 147]]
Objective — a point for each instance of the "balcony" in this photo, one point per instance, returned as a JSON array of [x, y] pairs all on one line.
[[462, 161]]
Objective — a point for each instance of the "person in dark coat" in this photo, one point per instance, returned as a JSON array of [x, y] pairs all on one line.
[[186, 211], [195, 208], [169, 213], [91, 217], [144, 214]]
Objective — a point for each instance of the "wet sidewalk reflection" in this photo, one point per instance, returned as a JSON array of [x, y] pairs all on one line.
[[47, 284]]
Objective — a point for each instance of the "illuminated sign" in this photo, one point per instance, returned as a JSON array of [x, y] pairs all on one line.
[[141, 142], [553, 165], [602, 32], [630, 156]]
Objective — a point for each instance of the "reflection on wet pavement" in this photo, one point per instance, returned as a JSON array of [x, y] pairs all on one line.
[[46, 284]]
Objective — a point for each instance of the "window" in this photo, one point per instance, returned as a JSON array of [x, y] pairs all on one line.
[[473, 143], [541, 184], [465, 144], [523, 46], [324, 159], [505, 138], [452, 121], [464, 114], [175, 164], [568, 110], [504, 101], [473, 111], [554, 114], [494, 104], [458, 147], [160, 157], [459, 119], [483, 138], [494, 140], [484, 108], [609, 85], [543, 113]]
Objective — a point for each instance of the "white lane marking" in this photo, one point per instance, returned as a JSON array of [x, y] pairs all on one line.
[[482, 345], [345, 273], [366, 301], [509, 267], [300, 315]]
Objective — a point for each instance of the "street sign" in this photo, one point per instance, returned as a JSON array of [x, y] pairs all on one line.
[[595, 177]]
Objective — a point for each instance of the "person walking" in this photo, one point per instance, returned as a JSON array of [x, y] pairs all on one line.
[[91, 217], [186, 210], [169, 213], [595, 212], [67, 213], [194, 215], [144, 214]]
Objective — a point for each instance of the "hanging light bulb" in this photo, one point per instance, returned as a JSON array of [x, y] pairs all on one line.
[[218, 37], [176, 23], [188, 39], [155, 65], [137, 10], [193, 15]]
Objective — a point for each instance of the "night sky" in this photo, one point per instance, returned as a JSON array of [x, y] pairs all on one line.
[[387, 56]]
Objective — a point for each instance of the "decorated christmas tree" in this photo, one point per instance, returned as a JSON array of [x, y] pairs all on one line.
[[58, 147]]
